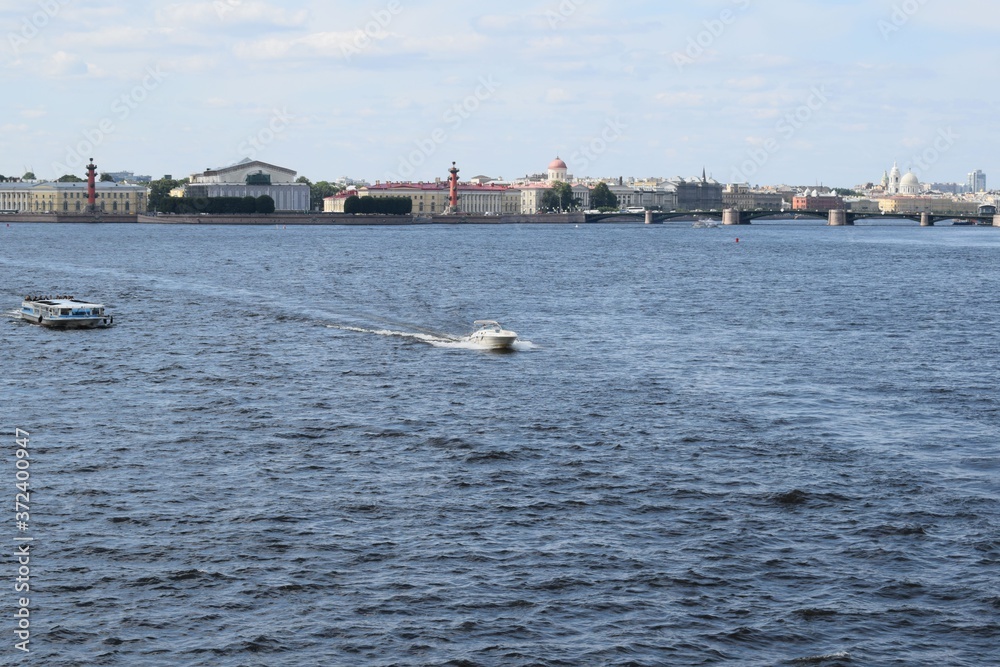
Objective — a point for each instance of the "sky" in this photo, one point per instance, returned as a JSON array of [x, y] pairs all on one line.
[[827, 92]]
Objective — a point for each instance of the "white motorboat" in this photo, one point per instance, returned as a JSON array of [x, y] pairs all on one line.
[[491, 335], [64, 312]]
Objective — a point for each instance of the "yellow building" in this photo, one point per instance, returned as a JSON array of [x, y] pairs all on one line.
[[433, 198], [935, 205], [428, 198], [54, 197]]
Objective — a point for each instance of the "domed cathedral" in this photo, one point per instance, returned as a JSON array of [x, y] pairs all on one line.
[[894, 183], [910, 184], [558, 171]]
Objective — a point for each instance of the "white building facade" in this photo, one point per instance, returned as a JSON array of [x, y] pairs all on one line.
[[252, 178]]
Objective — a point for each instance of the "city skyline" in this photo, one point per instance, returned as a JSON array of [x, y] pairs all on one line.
[[830, 93]]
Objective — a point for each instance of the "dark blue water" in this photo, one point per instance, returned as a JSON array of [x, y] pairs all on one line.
[[782, 451]]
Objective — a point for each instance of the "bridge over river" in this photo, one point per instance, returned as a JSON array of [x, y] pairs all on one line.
[[732, 216]]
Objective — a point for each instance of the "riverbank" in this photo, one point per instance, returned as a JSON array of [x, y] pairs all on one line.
[[284, 219]]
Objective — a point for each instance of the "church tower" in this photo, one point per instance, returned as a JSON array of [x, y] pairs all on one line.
[[894, 177]]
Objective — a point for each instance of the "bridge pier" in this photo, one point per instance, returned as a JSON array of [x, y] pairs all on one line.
[[926, 220], [649, 217], [996, 220], [838, 218], [731, 216]]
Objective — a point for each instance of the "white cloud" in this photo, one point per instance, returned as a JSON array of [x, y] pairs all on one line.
[[61, 64], [201, 15]]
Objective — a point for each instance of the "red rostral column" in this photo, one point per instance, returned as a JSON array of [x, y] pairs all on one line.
[[91, 186], [454, 188]]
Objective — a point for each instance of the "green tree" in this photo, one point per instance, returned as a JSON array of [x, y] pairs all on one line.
[[559, 198], [352, 204], [247, 204], [549, 201], [319, 191], [28, 176], [603, 197], [106, 177], [159, 193], [69, 178], [378, 205], [265, 204]]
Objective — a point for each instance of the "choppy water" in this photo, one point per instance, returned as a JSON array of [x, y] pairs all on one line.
[[782, 451]]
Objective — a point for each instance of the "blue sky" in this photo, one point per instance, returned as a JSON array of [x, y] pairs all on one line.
[[771, 92]]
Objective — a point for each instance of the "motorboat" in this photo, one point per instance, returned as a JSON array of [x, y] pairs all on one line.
[[705, 223], [491, 335], [64, 312]]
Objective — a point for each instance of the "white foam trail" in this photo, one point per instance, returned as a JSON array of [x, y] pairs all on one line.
[[426, 338], [440, 340]]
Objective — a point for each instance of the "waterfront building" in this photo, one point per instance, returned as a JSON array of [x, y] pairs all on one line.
[[56, 197], [489, 198], [697, 194], [250, 178], [889, 205], [335, 204], [428, 198], [864, 206], [742, 197], [814, 201], [432, 198], [661, 197]]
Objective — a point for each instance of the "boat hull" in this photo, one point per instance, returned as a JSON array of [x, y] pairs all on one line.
[[70, 323], [495, 341]]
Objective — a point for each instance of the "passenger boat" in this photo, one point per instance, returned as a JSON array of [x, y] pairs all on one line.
[[491, 335], [64, 312]]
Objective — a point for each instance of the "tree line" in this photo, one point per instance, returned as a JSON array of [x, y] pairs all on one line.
[[216, 205], [560, 198], [380, 205]]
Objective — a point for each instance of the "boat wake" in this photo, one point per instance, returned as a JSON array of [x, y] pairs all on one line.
[[440, 340], [423, 337]]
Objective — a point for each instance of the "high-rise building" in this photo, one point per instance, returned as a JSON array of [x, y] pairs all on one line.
[[977, 181]]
